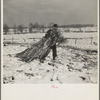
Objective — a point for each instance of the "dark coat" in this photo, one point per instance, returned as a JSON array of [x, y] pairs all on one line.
[[53, 34]]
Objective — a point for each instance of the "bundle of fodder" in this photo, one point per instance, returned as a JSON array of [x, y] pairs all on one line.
[[40, 49]]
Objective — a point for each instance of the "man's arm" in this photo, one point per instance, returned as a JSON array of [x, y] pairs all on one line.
[[47, 35]]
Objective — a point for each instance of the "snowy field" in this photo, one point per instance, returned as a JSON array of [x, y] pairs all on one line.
[[80, 40], [40, 35], [76, 63]]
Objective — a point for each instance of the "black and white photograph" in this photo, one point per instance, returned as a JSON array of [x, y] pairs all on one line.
[[50, 42]]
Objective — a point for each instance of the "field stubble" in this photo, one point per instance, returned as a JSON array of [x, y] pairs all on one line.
[[73, 65]]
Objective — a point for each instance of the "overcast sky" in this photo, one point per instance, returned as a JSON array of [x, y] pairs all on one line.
[[46, 11]]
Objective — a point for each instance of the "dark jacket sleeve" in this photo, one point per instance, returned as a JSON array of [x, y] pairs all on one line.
[[47, 35]]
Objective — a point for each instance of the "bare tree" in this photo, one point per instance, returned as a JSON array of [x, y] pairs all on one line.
[[5, 28], [25, 29], [30, 27], [15, 29], [21, 28], [36, 25], [42, 27]]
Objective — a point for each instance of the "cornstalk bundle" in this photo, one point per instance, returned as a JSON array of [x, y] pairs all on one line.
[[40, 49]]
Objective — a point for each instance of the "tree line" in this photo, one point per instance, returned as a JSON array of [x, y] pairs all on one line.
[[77, 25], [23, 29]]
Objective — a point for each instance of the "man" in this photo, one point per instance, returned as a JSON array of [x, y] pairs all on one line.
[[42, 48], [54, 49], [53, 33]]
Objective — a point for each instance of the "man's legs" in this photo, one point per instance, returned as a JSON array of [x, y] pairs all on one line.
[[54, 51]]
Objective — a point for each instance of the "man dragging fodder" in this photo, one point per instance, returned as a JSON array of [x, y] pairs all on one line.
[[42, 48]]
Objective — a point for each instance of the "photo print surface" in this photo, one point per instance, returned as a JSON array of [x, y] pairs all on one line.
[[50, 42]]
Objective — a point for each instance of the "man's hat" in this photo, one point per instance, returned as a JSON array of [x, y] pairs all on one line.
[[55, 25]]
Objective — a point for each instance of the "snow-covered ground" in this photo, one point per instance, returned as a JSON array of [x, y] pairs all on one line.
[[76, 62], [71, 66], [40, 35]]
